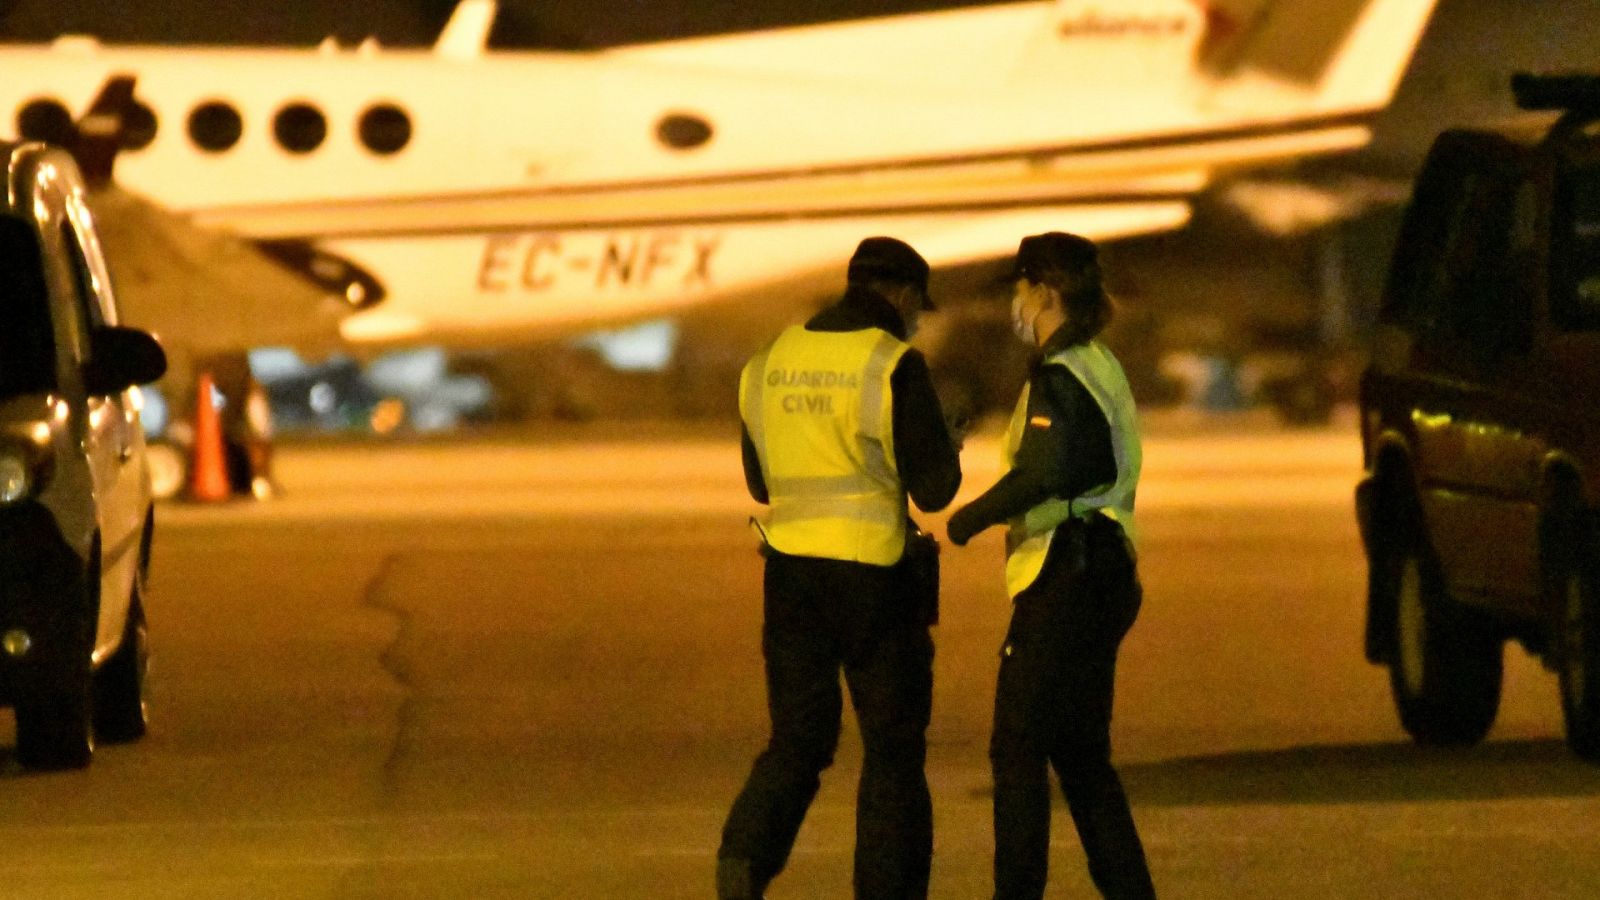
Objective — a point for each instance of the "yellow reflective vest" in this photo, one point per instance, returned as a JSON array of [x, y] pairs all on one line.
[[1028, 540], [817, 406]]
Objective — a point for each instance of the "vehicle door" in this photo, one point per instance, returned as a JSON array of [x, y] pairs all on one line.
[[1574, 297], [113, 439], [1482, 400]]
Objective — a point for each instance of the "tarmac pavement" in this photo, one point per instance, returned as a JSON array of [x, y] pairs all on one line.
[[514, 667]]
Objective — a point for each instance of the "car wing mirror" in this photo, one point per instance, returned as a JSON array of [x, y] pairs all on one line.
[[120, 358]]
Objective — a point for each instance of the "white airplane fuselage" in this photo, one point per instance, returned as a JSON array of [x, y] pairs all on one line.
[[535, 192]]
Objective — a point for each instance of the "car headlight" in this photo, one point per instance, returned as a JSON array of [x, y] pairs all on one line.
[[26, 461], [16, 476]]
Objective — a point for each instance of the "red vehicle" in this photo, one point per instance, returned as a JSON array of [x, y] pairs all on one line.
[[1481, 425]]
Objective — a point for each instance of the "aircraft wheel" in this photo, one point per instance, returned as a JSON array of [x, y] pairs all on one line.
[[169, 467]]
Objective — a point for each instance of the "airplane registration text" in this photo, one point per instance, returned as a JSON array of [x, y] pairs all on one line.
[[639, 260]]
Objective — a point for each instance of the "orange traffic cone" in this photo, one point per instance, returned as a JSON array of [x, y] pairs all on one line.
[[208, 465]]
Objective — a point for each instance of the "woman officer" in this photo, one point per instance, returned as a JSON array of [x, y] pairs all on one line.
[[1074, 457]]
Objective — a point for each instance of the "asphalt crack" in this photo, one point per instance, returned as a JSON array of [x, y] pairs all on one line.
[[394, 662]]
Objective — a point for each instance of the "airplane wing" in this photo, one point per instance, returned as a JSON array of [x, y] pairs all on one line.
[[204, 290]]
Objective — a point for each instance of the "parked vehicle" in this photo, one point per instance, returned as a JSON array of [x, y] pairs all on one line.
[[1481, 425], [75, 506]]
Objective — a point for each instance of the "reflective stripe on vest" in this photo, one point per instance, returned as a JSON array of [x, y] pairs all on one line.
[[1028, 540], [817, 406]]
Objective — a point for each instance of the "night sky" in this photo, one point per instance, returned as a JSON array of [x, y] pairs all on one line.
[[563, 24]]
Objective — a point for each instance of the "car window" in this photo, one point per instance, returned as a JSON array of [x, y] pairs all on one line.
[[1461, 265], [1577, 249], [82, 280], [92, 257], [1418, 279], [27, 346], [1474, 278]]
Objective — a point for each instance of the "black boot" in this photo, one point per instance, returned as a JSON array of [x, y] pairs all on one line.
[[734, 881]]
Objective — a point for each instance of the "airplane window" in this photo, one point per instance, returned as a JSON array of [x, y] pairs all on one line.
[[26, 342], [683, 131], [45, 120], [300, 127], [215, 126], [385, 128], [138, 126]]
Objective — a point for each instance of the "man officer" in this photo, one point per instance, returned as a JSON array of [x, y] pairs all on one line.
[[841, 422]]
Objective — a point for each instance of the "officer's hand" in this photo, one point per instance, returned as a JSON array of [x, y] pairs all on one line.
[[963, 525]]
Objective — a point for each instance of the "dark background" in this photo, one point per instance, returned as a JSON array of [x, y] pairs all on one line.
[[572, 24], [1184, 289], [1459, 74]]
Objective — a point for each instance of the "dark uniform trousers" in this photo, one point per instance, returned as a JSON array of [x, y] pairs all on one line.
[[1053, 706], [823, 615]]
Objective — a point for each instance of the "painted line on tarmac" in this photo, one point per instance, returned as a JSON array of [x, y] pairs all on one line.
[[346, 862], [413, 819], [684, 852], [675, 502], [708, 850], [466, 482]]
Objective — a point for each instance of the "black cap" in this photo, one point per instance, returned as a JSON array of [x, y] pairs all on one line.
[[888, 258], [1053, 252]]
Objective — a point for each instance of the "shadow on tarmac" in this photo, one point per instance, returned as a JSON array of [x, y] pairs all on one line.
[[1360, 773]]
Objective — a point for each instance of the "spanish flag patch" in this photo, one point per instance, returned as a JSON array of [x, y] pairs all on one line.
[[1039, 421]]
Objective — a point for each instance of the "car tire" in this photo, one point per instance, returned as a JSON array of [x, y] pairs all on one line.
[[121, 712], [54, 729], [1447, 664], [169, 468], [55, 720], [1570, 585]]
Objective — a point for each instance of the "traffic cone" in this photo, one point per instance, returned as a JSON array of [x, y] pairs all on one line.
[[208, 464]]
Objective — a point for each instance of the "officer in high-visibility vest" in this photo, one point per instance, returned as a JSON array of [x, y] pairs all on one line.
[[1073, 455], [841, 424]]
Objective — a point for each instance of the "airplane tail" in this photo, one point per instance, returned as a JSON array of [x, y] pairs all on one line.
[[1264, 58], [467, 33], [97, 135], [1342, 55]]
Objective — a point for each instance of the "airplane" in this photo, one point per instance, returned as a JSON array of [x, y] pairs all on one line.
[[494, 196]]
